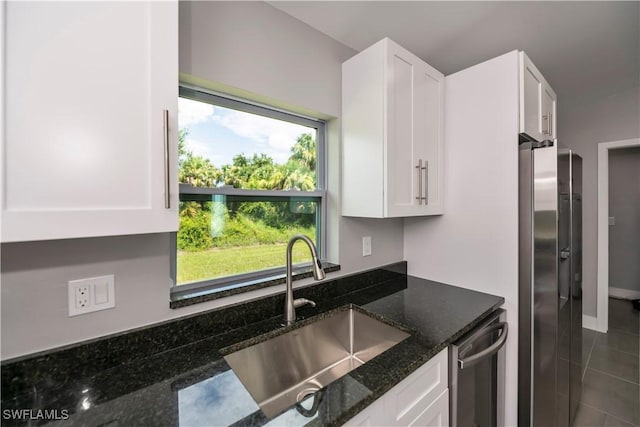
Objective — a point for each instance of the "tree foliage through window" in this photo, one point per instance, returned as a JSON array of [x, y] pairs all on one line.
[[220, 223]]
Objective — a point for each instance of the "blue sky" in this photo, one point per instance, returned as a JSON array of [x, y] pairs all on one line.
[[218, 133]]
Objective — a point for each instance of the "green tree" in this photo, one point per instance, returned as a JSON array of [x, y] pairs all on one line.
[[296, 177], [304, 151], [254, 172], [195, 220], [244, 222], [194, 232], [199, 172], [182, 146], [299, 173], [195, 170]]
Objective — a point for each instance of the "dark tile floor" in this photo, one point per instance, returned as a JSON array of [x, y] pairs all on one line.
[[611, 381]]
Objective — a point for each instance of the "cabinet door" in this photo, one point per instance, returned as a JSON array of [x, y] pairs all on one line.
[[548, 112], [531, 82], [372, 415], [429, 137], [537, 102], [421, 399], [86, 87], [414, 135], [406, 402], [436, 415]]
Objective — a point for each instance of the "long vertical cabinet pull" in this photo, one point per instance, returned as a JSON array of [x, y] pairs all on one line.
[[426, 182], [420, 168], [165, 122], [423, 195], [548, 117], [550, 124]]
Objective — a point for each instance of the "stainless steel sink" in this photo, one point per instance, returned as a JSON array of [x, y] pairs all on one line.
[[285, 369]]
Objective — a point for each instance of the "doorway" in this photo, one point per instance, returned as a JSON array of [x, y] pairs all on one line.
[[604, 149]]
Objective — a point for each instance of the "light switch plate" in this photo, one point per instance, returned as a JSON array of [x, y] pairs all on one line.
[[91, 294], [366, 246]]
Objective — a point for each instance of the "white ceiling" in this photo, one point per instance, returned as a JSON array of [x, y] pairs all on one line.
[[583, 49]]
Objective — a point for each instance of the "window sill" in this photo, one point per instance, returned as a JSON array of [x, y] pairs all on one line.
[[195, 296]]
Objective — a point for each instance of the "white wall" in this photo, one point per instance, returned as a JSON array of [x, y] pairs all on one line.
[[263, 52], [582, 124], [257, 51], [475, 243], [624, 206]]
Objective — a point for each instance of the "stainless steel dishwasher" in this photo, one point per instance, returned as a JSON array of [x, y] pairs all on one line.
[[476, 374]]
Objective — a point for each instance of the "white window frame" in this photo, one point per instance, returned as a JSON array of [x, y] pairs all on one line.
[[319, 195]]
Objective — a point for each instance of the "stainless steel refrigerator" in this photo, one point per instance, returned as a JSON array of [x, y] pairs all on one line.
[[550, 284]]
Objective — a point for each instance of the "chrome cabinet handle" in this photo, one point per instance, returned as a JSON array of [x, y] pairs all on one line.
[[165, 123], [549, 118], [423, 195], [426, 182], [420, 168]]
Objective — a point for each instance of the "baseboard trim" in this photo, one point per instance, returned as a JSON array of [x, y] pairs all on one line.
[[589, 322], [623, 293]]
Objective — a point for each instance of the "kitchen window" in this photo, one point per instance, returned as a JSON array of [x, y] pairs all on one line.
[[250, 178]]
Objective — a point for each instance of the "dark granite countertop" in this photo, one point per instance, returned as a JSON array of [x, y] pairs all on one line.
[[191, 384]]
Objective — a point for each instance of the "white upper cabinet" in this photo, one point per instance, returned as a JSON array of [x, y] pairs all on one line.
[[537, 102], [392, 134], [87, 85]]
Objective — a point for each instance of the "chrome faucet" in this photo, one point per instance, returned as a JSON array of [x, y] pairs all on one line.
[[318, 274]]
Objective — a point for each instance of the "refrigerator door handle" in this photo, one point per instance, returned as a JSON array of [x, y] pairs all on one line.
[[489, 351]]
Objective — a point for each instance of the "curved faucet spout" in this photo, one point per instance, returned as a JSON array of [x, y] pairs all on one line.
[[318, 274]]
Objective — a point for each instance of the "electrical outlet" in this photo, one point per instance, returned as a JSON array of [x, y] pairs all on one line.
[[92, 294], [82, 296], [366, 246]]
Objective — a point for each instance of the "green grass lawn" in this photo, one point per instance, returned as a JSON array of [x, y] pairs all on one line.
[[213, 263]]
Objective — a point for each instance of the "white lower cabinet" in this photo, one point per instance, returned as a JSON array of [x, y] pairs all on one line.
[[372, 415], [421, 399], [437, 414]]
